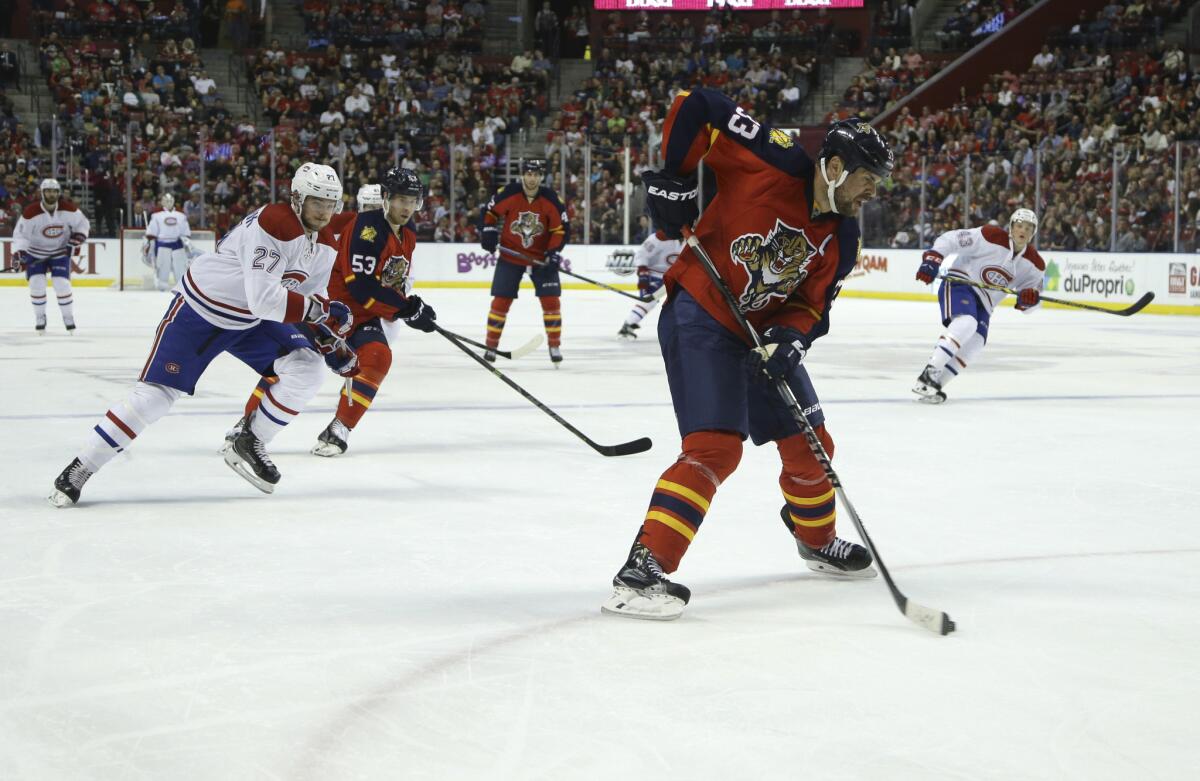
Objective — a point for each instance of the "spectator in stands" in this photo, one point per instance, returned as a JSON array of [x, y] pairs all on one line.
[[10, 69], [547, 28]]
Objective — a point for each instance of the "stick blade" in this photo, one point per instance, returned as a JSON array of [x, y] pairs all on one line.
[[934, 620], [1138, 305], [528, 347], [625, 448]]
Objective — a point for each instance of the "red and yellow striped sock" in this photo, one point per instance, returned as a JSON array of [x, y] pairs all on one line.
[[682, 495], [810, 499], [552, 319], [374, 360], [257, 394], [495, 321]]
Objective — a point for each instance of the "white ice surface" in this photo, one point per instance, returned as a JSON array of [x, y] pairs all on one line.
[[427, 607]]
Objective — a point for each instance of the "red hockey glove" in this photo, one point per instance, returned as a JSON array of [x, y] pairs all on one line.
[[339, 356], [930, 263], [334, 314], [18, 260], [76, 239], [1027, 298]]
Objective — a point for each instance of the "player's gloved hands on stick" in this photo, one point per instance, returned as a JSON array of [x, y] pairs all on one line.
[[339, 356], [1027, 298], [671, 202], [76, 239], [489, 238], [18, 260], [930, 263], [417, 314], [782, 351], [552, 259], [333, 314]]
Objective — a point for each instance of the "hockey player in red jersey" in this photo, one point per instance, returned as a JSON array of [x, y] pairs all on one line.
[[526, 225], [372, 276], [782, 236]]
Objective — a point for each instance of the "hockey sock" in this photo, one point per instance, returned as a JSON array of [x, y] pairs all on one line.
[[639, 311], [552, 319], [496, 318], [66, 299], [806, 489], [146, 403], [966, 354], [257, 394], [300, 375], [37, 297], [682, 495], [950, 342], [374, 360]]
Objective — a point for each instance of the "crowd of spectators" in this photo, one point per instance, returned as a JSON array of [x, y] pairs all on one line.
[[1067, 121], [974, 20], [396, 25]]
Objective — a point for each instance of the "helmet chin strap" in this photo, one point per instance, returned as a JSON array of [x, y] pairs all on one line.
[[831, 186]]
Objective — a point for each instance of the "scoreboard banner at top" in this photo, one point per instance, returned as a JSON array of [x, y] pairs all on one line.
[[728, 5]]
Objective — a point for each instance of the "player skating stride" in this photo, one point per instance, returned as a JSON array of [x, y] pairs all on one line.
[[530, 222], [246, 298], [46, 235], [372, 276], [780, 237], [653, 259], [167, 246], [987, 255]]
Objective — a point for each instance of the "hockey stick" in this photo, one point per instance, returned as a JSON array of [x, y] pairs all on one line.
[[521, 351], [1132, 309], [623, 449], [933, 620], [597, 283]]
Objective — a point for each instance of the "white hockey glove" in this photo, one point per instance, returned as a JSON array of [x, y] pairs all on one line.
[[147, 252], [189, 247]]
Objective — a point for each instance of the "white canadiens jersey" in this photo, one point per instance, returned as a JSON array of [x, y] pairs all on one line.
[[987, 255], [45, 235], [168, 228], [263, 269], [657, 253]]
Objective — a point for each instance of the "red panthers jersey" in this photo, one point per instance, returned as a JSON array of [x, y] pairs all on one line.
[[530, 227], [372, 274], [782, 258]]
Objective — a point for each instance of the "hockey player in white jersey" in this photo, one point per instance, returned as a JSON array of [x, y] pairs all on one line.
[[652, 258], [167, 246], [987, 255], [46, 235], [260, 296]]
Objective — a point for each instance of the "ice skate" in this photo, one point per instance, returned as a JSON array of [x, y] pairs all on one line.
[[70, 328], [555, 356], [231, 434], [333, 441], [928, 389], [69, 483], [247, 456], [40, 327], [840, 558], [628, 332], [641, 590]]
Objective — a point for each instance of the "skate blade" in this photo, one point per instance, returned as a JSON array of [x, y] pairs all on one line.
[[59, 499], [238, 465], [842, 574], [927, 395], [326, 450], [627, 603]]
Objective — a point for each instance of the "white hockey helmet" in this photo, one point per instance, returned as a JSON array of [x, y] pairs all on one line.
[[1024, 215], [168, 201], [370, 196], [316, 181], [49, 184]]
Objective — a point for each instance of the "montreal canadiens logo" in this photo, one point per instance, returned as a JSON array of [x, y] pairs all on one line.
[[293, 279], [994, 275], [170, 220], [53, 231]]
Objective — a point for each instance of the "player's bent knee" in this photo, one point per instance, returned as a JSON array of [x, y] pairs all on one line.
[[150, 401], [375, 360], [718, 451], [796, 454]]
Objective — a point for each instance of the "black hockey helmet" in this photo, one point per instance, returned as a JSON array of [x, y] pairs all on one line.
[[402, 181], [534, 164], [859, 146]]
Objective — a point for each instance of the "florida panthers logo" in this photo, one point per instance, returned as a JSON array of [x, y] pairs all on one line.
[[395, 271], [528, 227], [776, 264]]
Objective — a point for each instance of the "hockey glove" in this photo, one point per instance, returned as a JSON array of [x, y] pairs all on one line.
[[339, 356], [18, 260], [77, 239], [930, 263], [1027, 298], [552, 260], [331, 313], [417, 314], [489, 238], [782, 351], [147, 253], [670, 201]]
